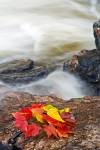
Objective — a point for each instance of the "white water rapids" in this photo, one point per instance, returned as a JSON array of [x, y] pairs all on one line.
[[47, 31]]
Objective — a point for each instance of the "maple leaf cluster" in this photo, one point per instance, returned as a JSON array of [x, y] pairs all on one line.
[[53, 121]]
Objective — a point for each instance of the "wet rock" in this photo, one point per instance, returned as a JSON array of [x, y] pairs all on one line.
[[96, 30], [16, 66], [22, 71], [87, 114], [87, 66]]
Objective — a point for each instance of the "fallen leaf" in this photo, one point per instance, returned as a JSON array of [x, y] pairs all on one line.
[[50, 130], [37, 113], [32, 130], [53, 112], [26, 112], [64, 110]]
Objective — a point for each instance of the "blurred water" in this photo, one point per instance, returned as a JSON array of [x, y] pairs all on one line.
[[62, 84], [45, 28], [46, 31]]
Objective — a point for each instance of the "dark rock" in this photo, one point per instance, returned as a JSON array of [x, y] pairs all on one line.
[[5, 147], [86, 111], [96, 29], [87, 66], [22, 71], [16, 66]]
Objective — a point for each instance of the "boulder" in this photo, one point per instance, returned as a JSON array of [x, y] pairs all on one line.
[[86, 111], [96, 30], [22, 71], [87, 66]]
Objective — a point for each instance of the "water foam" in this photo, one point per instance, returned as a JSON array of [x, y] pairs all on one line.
[[59, 83]]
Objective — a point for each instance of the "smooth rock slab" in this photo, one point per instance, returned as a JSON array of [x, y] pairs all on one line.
[[86, 111], [22, 71]]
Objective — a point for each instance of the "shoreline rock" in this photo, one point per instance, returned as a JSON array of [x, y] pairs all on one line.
[[87, 66], [96, 31], [86, 111], [23, 71]]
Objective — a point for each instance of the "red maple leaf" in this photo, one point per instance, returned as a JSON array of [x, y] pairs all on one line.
[[50, 130], [20, 121], [22, 124], [68, 118], [37, 105], [32, 130], [62, 131], [26, 112], [51, 120], [57, 128]]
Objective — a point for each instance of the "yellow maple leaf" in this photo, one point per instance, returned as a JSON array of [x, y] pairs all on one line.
[[64, 110], [54, 114], [48, 107]]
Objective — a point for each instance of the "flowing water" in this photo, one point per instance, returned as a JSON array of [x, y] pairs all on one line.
[[48, 31]]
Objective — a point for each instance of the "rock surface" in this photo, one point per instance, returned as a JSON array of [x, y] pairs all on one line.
[[87, 66], [22, 71], [86, 111], [96, 30]]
